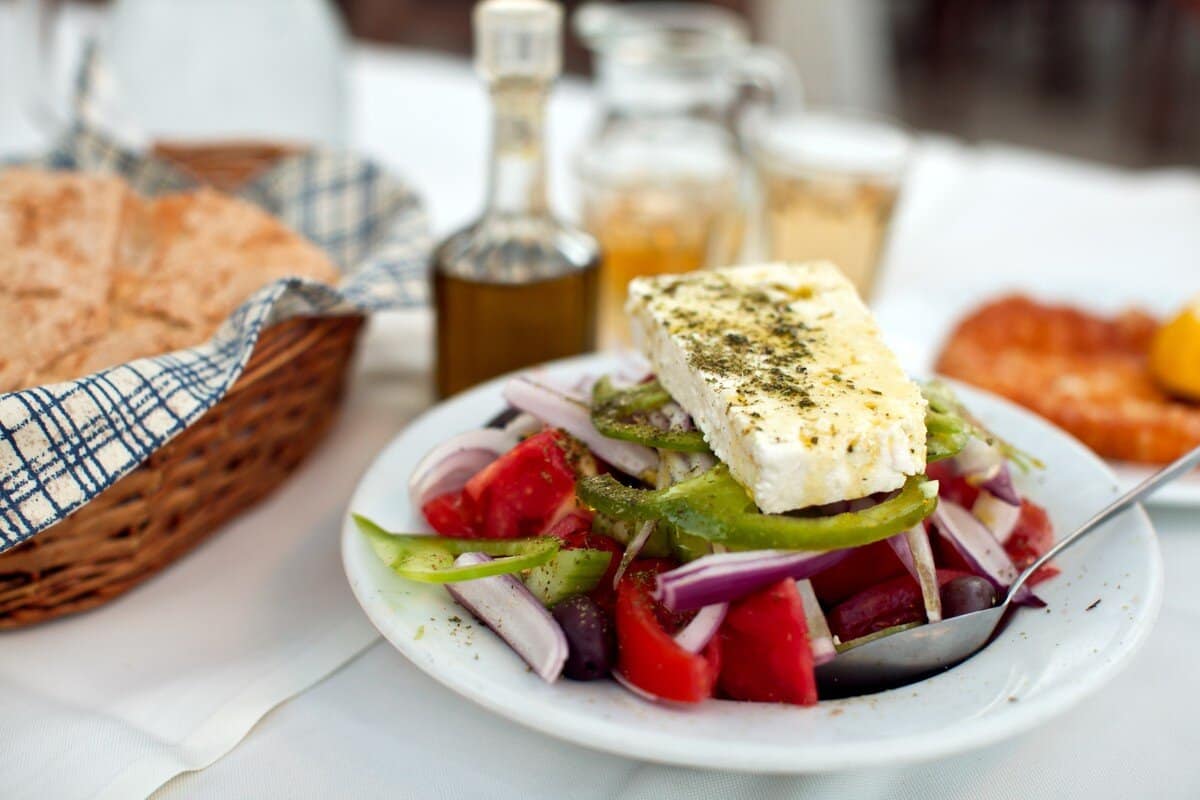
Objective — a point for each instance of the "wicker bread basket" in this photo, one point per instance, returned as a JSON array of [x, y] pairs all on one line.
[[237, 453]]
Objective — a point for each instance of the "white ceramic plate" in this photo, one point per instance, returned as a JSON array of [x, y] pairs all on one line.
[[1041, 664]]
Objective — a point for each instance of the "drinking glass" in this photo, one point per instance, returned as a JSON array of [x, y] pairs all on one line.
[[830, 183]]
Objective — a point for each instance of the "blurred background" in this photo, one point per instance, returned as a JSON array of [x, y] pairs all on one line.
[[1108, 80], [697, 155]]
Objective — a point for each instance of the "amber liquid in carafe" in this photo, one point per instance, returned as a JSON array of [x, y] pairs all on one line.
[[485, 329], [656, 228]]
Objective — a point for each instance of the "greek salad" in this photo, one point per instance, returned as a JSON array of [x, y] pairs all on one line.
[[720, 523]]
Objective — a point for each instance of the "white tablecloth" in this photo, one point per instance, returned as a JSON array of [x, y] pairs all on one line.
[[972, 222]]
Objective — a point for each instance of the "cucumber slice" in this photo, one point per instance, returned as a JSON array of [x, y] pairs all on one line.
[[570, 572]]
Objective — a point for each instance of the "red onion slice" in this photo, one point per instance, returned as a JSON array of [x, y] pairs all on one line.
[[903, 552], [1001, 486], [979, 548], [820, 638], [697, 633], [506, 606], [448, 467], [1000, 516], [573, 415], [523, 425], [913, 549], [722, 577], [581, 388], [985, 466], [978, 459]]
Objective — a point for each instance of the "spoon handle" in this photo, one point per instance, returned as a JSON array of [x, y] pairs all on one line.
[[1143, 489]]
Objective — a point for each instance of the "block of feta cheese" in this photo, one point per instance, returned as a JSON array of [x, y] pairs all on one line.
[[784, 370]]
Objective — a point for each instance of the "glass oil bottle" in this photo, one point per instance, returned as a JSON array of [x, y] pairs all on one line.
[[517, 287]]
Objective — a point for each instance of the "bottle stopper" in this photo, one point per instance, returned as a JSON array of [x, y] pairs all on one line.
[[518, 39]]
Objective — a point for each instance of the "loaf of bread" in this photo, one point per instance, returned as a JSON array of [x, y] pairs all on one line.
[[92, 275]]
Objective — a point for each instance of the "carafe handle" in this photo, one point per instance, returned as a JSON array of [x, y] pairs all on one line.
[[770, 77]]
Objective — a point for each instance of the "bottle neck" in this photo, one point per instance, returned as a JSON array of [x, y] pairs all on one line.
[[517, 179]]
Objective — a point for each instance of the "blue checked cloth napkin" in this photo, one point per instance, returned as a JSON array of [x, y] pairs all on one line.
[[63, 444]]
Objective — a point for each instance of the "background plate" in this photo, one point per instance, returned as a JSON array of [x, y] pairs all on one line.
[[1183, 492]]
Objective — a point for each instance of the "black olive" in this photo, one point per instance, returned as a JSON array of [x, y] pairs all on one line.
[[589, 637], [966, 594]]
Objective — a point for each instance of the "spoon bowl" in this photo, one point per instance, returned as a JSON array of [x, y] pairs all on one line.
[[916, 653], [909, 655]]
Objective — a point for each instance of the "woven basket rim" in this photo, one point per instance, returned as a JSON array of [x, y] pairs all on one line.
[[230, 457]]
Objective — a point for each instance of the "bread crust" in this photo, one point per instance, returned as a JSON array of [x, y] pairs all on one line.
[[92, 275]]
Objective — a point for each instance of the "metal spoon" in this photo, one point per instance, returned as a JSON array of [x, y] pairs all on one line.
[[908, 655]]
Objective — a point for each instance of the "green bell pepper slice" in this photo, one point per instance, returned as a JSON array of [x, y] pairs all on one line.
[[685, 547], [946, 436], [715, 507], [950, 426], [648, 396], [614, 415], [430, 559]]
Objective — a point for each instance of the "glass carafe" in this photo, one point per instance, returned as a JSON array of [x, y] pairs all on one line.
[[662, 177]]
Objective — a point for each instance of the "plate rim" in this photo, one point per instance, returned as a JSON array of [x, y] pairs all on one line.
[[970, 734]]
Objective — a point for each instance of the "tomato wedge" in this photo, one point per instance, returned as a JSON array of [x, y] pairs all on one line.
[[526, 490], [766, 656], [453, 514], [893, 602], [571, 527], [1032, 536], [647, 654]]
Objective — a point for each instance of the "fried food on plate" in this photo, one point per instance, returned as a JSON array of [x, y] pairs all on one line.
[[1087, 374]]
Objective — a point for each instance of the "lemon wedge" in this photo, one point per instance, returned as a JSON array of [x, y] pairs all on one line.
[[1175, 354]]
